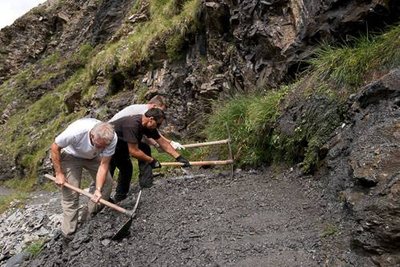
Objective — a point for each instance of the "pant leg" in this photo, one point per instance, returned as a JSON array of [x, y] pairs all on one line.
[[145, 170], [122, 160], [92, 166], [72, 169]]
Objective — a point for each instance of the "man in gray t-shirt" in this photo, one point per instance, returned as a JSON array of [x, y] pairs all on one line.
[[85, 144]]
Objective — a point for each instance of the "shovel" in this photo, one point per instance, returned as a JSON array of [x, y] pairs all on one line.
[[124, 230]]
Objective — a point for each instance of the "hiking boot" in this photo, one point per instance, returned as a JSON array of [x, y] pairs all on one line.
[[118, 198]]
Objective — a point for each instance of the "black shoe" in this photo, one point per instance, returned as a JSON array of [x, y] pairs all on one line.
[[119, 198]]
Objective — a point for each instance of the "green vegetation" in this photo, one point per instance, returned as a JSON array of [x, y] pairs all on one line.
[[329, 230], [250, 119], [354, 64], [35, 119], [320, 95], [35, 247], [19, 192], [335, 72], [5, 201], [167, 25]]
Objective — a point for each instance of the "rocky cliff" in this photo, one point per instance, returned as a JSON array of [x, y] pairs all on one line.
[[67, 59]]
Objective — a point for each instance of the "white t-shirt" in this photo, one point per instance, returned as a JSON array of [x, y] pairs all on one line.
[[131, 110], [75, 140]]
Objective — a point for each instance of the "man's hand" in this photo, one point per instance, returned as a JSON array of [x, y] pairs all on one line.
[[60, 179], [176, 145], [96, 196], [185, 162], [155, 164]]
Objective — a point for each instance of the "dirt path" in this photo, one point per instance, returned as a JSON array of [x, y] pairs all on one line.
[[255, 219]]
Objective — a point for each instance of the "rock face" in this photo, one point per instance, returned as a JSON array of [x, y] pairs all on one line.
[[58, 26], [364, 168], [253, 45]]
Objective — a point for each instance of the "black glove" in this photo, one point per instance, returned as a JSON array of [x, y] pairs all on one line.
[[185, 162], [155, 164]]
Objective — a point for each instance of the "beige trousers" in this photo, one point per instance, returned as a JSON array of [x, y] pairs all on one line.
[[72, 168]]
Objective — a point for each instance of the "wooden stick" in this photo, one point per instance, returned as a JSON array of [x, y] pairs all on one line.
[[207, 143], [198, 163], [83, 192]]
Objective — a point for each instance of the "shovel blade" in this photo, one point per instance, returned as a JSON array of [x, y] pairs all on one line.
[[123, 231]]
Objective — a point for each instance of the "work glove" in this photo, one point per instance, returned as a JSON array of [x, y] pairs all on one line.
[[176, 145], [155, 164], [185, 162]]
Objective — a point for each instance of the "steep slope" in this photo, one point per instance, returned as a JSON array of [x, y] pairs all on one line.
[[95, 57]]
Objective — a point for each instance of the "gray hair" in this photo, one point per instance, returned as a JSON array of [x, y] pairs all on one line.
[[104, 131]]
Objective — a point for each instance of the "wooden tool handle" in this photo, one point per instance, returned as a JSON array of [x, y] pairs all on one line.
[[198, 163], [83, 192], [207, 143]]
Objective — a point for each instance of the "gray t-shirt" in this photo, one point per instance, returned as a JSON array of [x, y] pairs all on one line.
[[75, 140]]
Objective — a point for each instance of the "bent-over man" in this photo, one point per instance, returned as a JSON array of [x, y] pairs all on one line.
[[130, 131], [85, 144]]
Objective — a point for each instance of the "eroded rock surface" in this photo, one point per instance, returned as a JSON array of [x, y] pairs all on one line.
[[364, 163]]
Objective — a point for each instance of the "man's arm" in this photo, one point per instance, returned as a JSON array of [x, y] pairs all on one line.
[[55, 152], [166, 146], [175, 145], [135, 152], [101, 177]]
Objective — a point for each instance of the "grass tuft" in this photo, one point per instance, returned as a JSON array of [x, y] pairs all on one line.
[[250, 120], [35, 247], [352, 64]]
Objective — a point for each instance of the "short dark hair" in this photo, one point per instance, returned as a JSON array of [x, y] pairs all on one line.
[[157, 114]]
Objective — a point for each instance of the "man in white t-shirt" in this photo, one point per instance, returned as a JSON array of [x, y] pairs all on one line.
[[85, 144]]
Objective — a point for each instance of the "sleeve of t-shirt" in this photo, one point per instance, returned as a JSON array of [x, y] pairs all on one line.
[[153, 134], [65, 139]]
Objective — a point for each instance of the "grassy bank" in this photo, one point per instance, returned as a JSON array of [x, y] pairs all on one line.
[[320, 93]]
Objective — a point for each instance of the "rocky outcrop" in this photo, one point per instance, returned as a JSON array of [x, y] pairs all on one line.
[[252, 45], [364, 163], [58, 26], [272, 38]]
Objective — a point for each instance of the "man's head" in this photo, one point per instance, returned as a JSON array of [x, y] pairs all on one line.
[[153, 118], [102, 135], [158, 102]]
